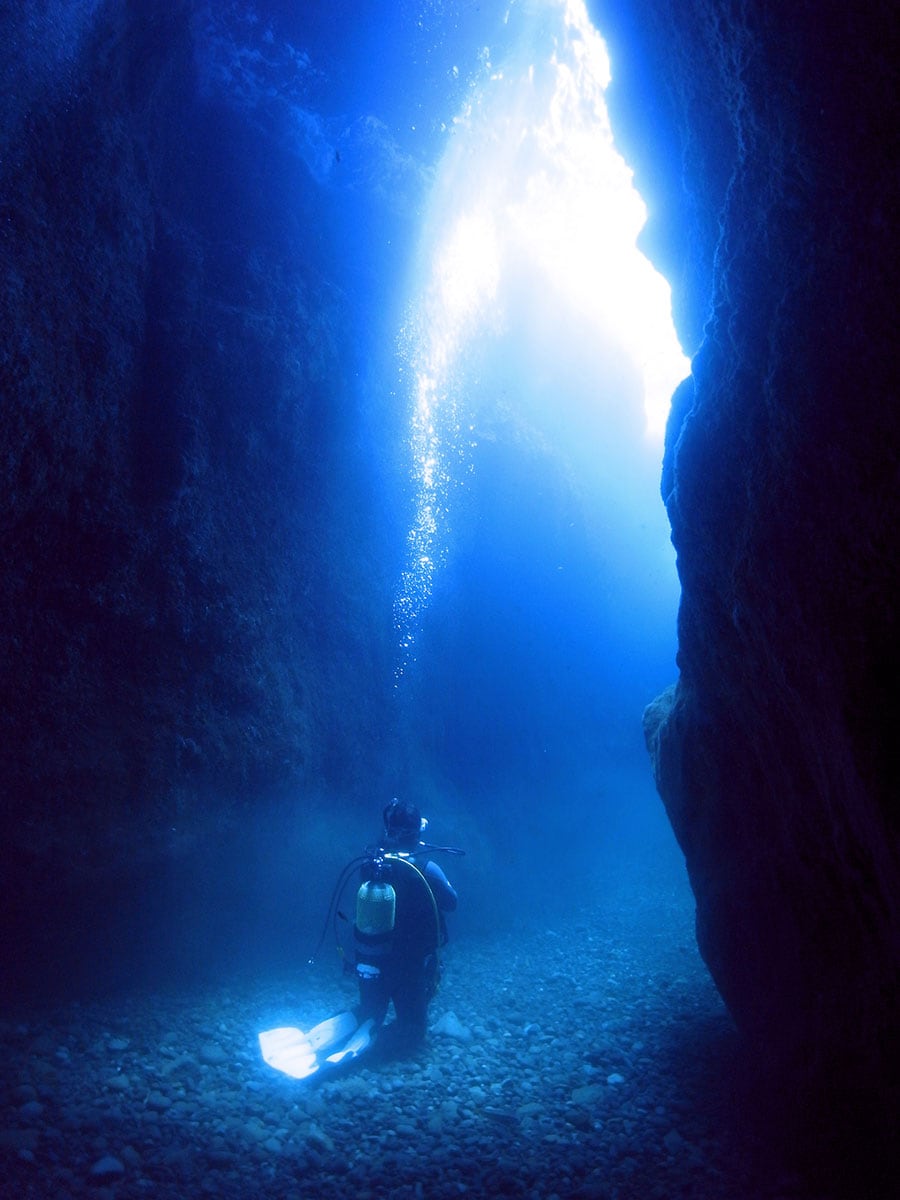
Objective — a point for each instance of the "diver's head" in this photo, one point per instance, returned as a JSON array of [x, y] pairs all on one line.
[[402, 825]]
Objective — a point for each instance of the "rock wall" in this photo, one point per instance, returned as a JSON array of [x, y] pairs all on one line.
[[764, 137], [191, 597]]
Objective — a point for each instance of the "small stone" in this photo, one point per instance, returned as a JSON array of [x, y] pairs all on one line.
[[32, 1109], [176, 1156], [158, 1102], [450, 1026], [673, 1141], [615, 1079], [319, 1138], [580, 1118], [254, 1128], [213, 1055], [107, 1167], [220, 1158], [18, 1139], [532, 1109], [119, 1043]]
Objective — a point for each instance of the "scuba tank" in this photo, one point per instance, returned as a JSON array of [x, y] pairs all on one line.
[[376, 913], [376, 901], [376, 907]]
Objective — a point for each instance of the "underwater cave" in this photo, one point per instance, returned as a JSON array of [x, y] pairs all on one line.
[[336, 467]]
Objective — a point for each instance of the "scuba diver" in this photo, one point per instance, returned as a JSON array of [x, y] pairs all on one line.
[[398, 933]]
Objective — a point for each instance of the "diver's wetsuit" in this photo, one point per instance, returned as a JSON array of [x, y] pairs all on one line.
[[403, 966]]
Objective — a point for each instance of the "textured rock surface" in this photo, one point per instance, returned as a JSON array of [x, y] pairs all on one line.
[[190, 598], [774, 753]]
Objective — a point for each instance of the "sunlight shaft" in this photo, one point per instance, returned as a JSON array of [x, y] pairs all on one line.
[[533, 216]]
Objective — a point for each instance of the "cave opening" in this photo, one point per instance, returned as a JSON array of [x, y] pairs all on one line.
[[529, 300], [538, 356]]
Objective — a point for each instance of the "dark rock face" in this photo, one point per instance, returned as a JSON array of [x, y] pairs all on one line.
[[773, 129], [185, 615]]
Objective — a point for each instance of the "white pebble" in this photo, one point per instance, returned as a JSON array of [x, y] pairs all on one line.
[[451, 1026]]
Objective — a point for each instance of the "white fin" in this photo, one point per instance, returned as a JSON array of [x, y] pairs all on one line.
[[288, 1050], [328, 1034], [357, 1044]]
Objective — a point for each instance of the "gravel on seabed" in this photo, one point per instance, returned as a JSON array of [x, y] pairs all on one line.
[[586, 1057]]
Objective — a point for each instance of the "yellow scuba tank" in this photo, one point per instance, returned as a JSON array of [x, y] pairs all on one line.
[[376, 908]]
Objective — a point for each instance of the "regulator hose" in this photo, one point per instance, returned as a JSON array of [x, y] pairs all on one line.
[[331, 914], [434, 908]]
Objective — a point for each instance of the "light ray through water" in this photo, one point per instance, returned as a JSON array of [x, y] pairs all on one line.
[[530, 197]]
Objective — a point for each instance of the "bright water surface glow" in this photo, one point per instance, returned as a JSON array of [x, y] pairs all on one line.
[[530, 194]]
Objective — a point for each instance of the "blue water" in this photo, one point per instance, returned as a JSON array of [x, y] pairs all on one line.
[[477, 399], [500, 423], [371, 113]]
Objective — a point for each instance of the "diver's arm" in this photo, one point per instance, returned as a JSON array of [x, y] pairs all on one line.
[[444, 892]]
